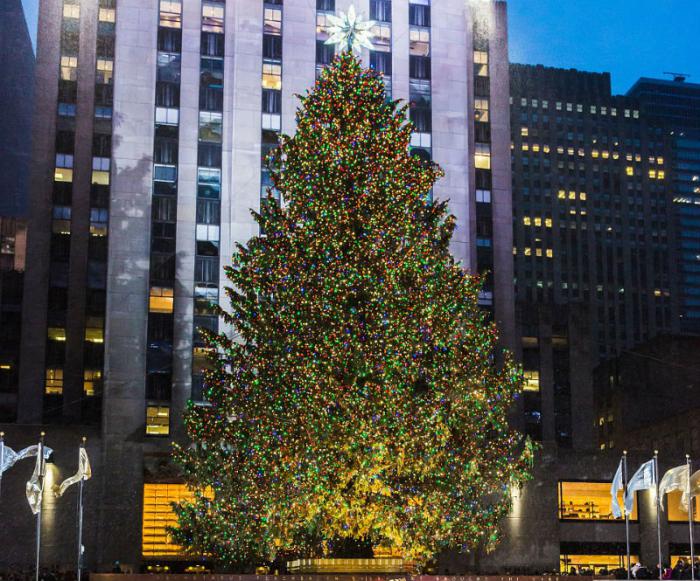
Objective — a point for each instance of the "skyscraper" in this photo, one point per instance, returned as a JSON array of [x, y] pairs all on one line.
[[593, 214], [675, 107]]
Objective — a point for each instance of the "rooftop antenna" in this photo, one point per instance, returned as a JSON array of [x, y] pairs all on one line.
[[678, 77]]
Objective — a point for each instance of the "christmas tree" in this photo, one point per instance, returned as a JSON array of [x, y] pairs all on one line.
[[357, 397]]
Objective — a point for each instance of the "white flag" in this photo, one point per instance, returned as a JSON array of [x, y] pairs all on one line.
[[84, 473], [675, 479], [694, 491], [10, 457], [35, 485], [617, 485], [643, 479]]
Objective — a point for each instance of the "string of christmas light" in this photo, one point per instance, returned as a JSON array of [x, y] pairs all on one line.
[[360, 400]]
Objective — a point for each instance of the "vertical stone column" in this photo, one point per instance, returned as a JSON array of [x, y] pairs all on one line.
[[127, 283]]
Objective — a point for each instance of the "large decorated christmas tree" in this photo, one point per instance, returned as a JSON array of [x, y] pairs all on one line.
[[356, 395]]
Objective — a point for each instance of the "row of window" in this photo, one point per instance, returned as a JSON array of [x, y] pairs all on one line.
[[159, 358]]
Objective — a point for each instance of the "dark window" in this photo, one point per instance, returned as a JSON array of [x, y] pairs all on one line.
[[380, 10], [65, 141], [212, 44], [105, 44], [272, 47], [422, 119], [325, 5], [67, 91], [206, 269], [381, 62], [324, 53], [104, 95], [211, 99], [162, 268], [418, 15], [419, 67], [208, 212], [167, 95], [165, 151], [271, 101], [209, 155], [482, 132], [212, 72], [169, 40], [101, 145]]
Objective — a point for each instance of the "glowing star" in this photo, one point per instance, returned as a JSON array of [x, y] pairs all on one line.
[[349, 31]]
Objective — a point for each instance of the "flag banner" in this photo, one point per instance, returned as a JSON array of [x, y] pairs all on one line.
[[35, 485], [675, 479], [617, 485], [644, 479], [84, 473], [10, 457], [694, 491]]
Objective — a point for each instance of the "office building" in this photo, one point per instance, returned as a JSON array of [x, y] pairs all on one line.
[[675, 107], [593, 213]]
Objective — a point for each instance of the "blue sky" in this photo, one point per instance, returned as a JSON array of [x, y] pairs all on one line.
[[30, 12], [628, 38]]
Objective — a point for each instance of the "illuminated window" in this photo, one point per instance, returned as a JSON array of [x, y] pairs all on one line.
[[94, 334], [535, 147], [638, 157], [106, 15], [213, 18], [481, 110], [606, 154], [527, 220], [161, 300], [481, 63], [613, 112], [538, 221], [531, 380], [105, 70], [210, 126], [92, 379], [661, 174], [158, 514], [100, 178], [56, 334], [673, 505], [538, 251], [272, 76], [550, 253], [588, 501], [660, 160], [593, 109], [629, 170], [545, 148], [561, 195], [652, 173], [62, 174], [548, 222], [170, 13], [572, 195], [482, 156], [524, 131], [528, 251], [69, 68], [526, 147], [273, 21], [54, 381], [483, 196], [71, 11], [594, 562], [157, 420], [582, 196]]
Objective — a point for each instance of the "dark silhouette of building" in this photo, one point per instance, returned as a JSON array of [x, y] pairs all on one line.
[[593, 214], [675, 106]]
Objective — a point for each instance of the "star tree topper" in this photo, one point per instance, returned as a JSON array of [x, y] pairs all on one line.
[[349, 31]]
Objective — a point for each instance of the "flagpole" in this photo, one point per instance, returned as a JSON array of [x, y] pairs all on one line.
[[627, 516], [691, 505], [80, 518], [658, 512], [38, 514]]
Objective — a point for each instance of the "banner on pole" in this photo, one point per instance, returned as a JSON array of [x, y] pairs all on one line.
[[84, 473]]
